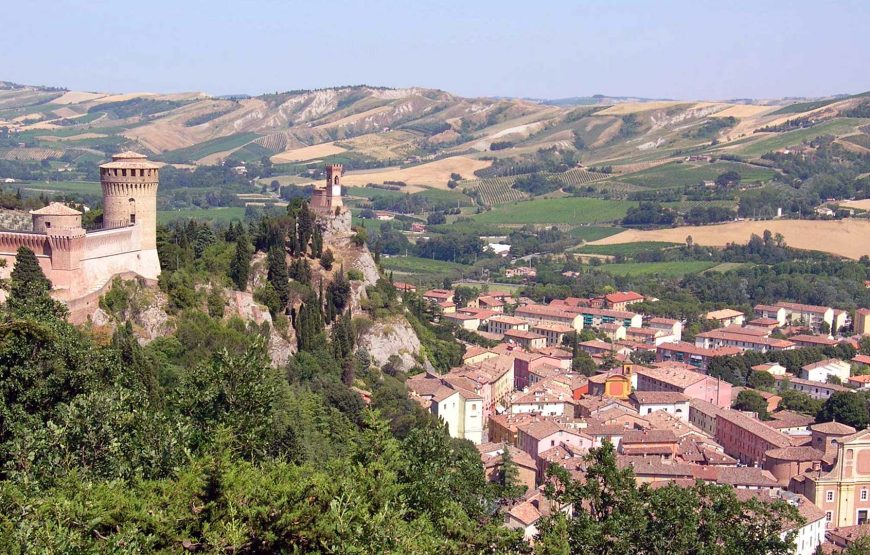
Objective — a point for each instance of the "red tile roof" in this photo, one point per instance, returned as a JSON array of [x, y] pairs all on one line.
[[623, 296]]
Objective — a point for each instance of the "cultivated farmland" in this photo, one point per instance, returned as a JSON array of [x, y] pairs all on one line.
[[568, 211], [840, 237], [668, 269]]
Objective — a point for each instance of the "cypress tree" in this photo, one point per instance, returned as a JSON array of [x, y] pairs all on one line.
[[240, 266], [277, 274], [317, 243], [309, 326], [204, 238], [29, 289], [26, 274]]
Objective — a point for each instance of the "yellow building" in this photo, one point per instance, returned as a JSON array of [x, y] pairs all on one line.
[[615, 384], [842, 490]]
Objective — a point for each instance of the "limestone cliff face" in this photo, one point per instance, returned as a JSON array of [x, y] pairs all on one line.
[[384, 338], [392, 337], [243, 305]]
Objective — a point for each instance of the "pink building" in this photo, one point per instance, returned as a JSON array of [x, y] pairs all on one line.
[[542, 434], [681, 378], [746, 438]]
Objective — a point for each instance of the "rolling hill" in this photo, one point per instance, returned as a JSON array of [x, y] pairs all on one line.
[[390, 129]]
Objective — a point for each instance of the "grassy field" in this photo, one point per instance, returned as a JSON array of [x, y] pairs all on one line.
[[217, 215], [667, 269], [416, 265], [446, 195], [570, 211], [625, 249], [679, 175], [840, 126]]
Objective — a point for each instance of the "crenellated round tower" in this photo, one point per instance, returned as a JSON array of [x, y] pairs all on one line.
[[129, 185]]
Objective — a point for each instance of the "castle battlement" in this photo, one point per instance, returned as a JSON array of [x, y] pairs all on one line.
[[78, 261]]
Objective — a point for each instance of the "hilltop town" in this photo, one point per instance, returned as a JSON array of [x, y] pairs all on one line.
[[770, 402]]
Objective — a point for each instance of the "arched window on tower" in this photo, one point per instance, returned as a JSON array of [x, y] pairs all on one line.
[[132, 211], [335, 180]]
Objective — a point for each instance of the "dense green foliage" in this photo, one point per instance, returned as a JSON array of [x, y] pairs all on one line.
[[195, 443], [612, 514]]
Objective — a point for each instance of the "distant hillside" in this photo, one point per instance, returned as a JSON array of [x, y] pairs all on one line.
[[420, 137]]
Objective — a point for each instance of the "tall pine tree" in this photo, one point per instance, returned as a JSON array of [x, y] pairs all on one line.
[[240, 265], [277, 274]]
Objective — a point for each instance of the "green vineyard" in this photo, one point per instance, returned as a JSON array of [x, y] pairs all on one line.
[[499, 190]]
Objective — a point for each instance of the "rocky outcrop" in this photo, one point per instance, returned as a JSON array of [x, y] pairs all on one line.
[[336, 226], [392, 337], [243, 305], [151, 323]]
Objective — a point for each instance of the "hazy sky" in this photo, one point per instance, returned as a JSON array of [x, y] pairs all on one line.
[[542, 49]]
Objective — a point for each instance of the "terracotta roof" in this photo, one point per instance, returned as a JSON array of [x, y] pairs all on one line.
[[813, 339], [862, 359], [542, 310], [789, 419], [745, 476], [722, 314], [490, 301], [676, 377], [525, 512], [756, 428], [833, 428], [56, 209], [648, 436], [461, 316], [795, 454], [493, 454], [767, 308], [643, 466], [623, 296], [658, 397], [847, 534], [691, 349], [752, 338], [797, 307], [606, 312], [663, 321]]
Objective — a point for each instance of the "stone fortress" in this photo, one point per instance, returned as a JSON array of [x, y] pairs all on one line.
[[80, 263]]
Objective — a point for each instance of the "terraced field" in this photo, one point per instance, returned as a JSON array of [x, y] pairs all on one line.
[[499, 190]]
